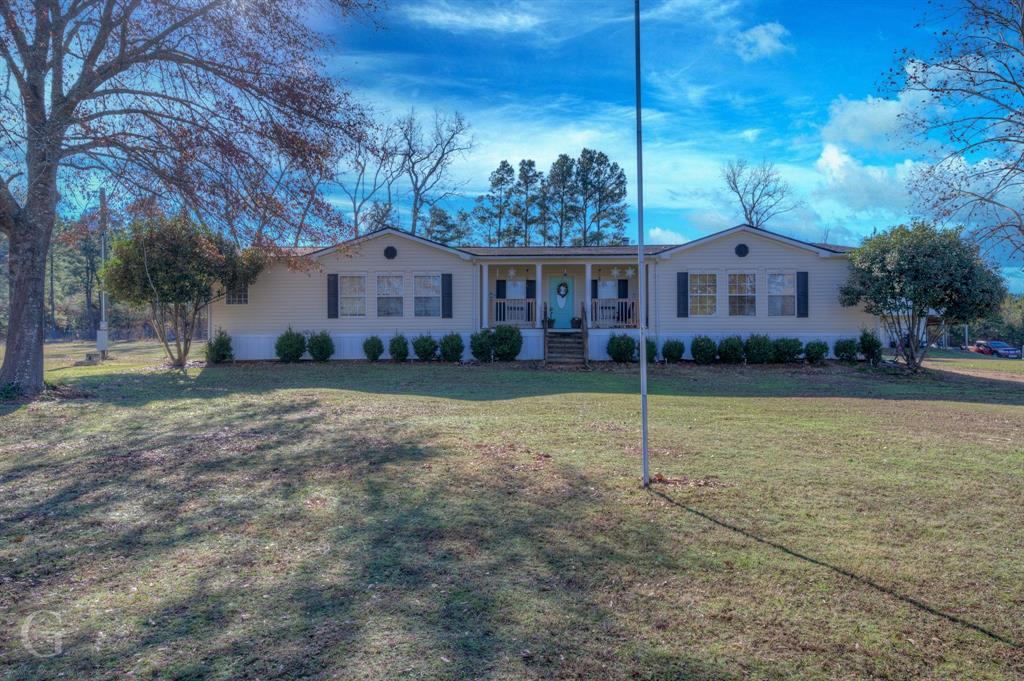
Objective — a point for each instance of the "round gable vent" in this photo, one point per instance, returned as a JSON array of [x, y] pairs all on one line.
[[390, 252], [742, 250]]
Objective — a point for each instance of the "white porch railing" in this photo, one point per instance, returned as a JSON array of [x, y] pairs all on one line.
[[613, 313], [515, 311]]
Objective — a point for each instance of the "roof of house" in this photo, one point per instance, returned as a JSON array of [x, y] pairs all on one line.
[[572, 251]]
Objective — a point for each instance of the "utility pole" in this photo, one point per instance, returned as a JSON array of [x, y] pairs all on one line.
[[642, 275], [101, 334]]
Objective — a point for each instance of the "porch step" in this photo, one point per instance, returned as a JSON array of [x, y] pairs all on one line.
[[565, 348]]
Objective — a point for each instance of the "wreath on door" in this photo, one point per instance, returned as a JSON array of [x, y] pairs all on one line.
[[561, 292]]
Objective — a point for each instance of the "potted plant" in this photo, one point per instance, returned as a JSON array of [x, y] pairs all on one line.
[[549, 323], [577, 323]]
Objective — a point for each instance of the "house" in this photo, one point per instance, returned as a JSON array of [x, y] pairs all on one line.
[[738, 281]]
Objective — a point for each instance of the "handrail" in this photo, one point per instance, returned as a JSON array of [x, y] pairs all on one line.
[[614, 312], [544, 325], [584, 329], [515, 311]]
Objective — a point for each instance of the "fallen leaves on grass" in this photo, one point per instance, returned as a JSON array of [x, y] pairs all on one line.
[[685, 481]]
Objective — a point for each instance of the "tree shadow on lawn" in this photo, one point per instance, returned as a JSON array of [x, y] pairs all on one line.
[[506, 382], [259, 544]]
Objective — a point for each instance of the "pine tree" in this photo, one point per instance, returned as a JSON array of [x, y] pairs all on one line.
[[561, 201], [601, 187], [493, 208], [526, 199], [442, 228]]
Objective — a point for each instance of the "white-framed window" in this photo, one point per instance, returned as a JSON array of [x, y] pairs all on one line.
[[238, 296], [427, 295], [742, 294], [782, 294], [351, 295], [703, 294], [390, 295], [607, 288], [515, 288]]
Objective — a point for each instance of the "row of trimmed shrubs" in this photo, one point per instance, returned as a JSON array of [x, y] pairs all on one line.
[[756, 349], [504, 343]]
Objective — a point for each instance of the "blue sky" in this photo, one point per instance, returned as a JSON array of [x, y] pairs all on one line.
[[797, 83]]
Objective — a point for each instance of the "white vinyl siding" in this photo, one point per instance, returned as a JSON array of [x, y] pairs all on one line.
[[352, 295], [742, 294], [703, 294], [390, 295], [782, 294], [427, 295]]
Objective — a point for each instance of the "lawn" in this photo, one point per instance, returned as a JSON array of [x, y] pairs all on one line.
[[358, 521]]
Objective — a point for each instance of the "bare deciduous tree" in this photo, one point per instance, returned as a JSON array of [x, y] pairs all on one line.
[[969, 100], [372, 166], [760, 190], [215, 104], [427, 157]]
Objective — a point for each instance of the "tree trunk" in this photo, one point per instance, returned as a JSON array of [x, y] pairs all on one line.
[[23, 359]]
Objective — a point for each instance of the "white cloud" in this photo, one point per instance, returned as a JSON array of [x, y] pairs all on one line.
[[761, 41], [658, 235], [869, 123], [459, 18], [861, 187]]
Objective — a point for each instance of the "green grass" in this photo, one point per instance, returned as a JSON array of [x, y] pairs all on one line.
[[954, 359], [379, 521]]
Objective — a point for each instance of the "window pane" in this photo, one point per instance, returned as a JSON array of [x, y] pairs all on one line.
[[781, 306], [389, 285], [352, 307], [703, 294], [607, 288], [782, 284], [741, 284], [389, 307], [514, 289], [429, 285], [428, 306], [352, 285], [742, 306], [239, 296]]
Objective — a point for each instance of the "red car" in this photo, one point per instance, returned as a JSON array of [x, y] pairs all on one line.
[[996, 348]]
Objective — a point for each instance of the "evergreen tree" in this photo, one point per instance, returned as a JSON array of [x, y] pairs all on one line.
[[601, 186], [561, 201], [494, 208], [442, 228], [526, 203]]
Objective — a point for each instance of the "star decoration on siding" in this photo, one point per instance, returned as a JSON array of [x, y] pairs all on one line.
[[615, 272], [630, 272], [511, 272]]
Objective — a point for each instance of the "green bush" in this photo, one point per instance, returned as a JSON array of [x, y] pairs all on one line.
[[373, 348], [758, 349], [451, 347], [481, 345], [786, 350], [290, 345], [870, 345], [508, 341], [652, 351], [816, 351], [218, 348], [425, 348], [398, 348], [320, 346], [703, 349], [730, 350], [845, 349], [621, 348], [672, 351]]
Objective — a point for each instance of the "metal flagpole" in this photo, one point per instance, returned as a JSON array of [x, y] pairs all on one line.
[[102, 343], [642, 275]]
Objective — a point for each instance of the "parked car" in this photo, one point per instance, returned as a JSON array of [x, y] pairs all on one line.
[[996, 348]]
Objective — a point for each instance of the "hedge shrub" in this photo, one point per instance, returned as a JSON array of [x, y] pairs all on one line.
[[786, 350], [452, 347], [481, 345], [673, 350], [652, 351], [320, 346], [290, 345], [816, 351], [758, 349], [845, 349], [703, 349], [621, 348], [398, 348], [425, 347], [730, 350], [373, 348], [508, 342], [870, 345], [218, 348]]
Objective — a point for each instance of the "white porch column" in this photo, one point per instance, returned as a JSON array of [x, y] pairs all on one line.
[[485, 297], [538, 309], [586, 295]]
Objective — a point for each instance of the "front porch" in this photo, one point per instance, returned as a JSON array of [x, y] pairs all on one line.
[[560, 296]]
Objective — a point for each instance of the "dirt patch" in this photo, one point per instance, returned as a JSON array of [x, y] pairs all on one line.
[[686, 481]]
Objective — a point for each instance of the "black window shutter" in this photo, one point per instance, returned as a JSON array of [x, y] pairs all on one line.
[[499, 289], [801, 294], [531, 288], [682, 294], [446, 296], [623, 288], [593, 288], [332, 296]]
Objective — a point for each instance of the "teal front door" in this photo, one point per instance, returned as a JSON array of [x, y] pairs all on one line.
[[561, 307]]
